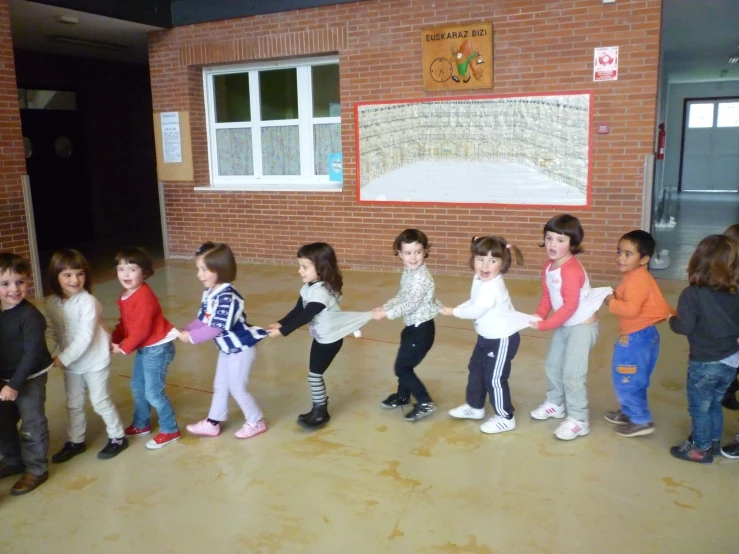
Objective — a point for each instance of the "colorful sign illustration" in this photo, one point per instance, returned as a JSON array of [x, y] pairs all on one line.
[[458, 58]]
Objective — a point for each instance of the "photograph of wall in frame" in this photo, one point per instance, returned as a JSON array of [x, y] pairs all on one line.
[[512, 150]]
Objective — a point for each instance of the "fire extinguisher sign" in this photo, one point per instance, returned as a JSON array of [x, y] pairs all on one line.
[[605, 64]]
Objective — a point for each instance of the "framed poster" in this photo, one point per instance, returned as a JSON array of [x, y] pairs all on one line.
[[458, 57], [531, 150]]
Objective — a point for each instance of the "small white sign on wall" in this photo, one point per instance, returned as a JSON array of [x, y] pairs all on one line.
[[171, 143], [605, 63]]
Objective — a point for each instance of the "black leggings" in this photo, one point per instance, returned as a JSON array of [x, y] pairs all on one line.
[[321, 355], [415, 342]]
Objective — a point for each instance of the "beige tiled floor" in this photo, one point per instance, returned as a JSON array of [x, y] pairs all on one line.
[[369, 481]]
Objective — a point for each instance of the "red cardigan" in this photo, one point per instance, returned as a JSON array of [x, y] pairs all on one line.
[[142, 321]]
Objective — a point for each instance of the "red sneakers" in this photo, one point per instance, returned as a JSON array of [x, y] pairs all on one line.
[[163, 439], [132, 431]]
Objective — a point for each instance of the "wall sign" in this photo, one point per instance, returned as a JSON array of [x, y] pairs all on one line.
[[458, 57], [605, 64]]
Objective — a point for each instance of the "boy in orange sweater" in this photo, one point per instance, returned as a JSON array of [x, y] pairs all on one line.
[[639, 304]]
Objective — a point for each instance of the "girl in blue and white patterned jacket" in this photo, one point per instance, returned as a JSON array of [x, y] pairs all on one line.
[[222, 317]]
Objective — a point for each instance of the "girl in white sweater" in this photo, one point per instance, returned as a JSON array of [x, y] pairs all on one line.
[[497, 326], [82, 349]]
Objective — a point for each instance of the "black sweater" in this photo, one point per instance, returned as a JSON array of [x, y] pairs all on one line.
[[710, 319], [23, 350]]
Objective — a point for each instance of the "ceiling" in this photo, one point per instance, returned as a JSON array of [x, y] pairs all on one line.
[[698, 36], [33, 26]]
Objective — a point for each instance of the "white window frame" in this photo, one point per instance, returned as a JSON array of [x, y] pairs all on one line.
[[307, 181]]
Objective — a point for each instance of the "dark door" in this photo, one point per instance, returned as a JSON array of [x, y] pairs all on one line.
[[56, 170]]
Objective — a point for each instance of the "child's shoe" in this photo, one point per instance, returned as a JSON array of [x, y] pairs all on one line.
[[204, 428], [28, 482], [497, 424], [113, 448], [420, 410], [635, 429], [689, 452], [571, 428], [731, 450], [249, 430], [163, 439], [132, 431], [465, 411], [394, 401], [68, 451], [617, 417], [317, 417], [547, 410]]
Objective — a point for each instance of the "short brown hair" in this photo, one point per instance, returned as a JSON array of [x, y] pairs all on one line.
[[732, 231], [62, 260], [409, 236], [138, 256], [568, 225], [218, 258], [497, 247], [714, 264], [14, 263]]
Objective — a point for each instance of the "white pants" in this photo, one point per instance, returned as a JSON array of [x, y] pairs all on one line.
[[232, 376], [96, 383]]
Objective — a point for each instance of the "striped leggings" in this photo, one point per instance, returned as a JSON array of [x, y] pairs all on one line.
[[490, 366]]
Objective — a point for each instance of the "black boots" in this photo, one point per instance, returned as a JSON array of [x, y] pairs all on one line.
[[317, 417], [729, 401]]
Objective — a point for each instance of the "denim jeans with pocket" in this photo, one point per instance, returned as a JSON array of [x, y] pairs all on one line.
[[634, 358], [147, 386], [707, 383]]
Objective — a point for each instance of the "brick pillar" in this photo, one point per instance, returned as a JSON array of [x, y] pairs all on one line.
[[13, 225]]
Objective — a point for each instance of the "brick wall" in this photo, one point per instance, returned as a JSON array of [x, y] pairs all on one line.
[[538, 47], [13, 230]]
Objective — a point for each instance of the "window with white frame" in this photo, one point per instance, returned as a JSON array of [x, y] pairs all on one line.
[[275, 125]]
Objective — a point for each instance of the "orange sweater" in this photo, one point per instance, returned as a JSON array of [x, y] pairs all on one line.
[[638, 302]]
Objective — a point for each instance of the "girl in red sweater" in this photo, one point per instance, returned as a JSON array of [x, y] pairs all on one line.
[[144, 329]]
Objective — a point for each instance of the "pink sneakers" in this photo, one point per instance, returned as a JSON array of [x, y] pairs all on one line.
[[251, 430], [204, 428], [163, 439]]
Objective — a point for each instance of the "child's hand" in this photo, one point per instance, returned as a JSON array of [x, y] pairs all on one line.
[[379, 313], [446, 310], [56, 363], [115, 349], [535, 323], [274, 332], [184, 336], [7, 393], [273, 326]]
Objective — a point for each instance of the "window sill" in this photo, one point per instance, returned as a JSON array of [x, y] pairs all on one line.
[[334, 187]]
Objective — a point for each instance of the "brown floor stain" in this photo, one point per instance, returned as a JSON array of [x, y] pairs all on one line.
[[115, 537], [371, 503], [392, 471], [452, 433], [673, 384], [542, 445], [670, 482], [681, 505], [79, 483], [396, 533], [382, 428], [326, 520], [471, 547]]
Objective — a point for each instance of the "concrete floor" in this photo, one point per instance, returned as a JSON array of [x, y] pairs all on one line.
[[370, 482]]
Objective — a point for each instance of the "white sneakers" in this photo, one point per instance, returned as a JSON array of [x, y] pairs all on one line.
[[465, 411], [547, 410], [497, 424], [569, 429]]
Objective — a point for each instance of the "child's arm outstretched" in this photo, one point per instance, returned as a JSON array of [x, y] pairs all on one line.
[[573, 279], [407, 301], [685, 321], [227, 313], [476, 307], [296, 318]]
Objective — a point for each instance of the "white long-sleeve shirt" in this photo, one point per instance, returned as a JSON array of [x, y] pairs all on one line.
[[415, 300], [75, 333], [491, 307]]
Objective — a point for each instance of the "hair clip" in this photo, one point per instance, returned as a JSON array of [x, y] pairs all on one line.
[[203, 248], [508, 246]]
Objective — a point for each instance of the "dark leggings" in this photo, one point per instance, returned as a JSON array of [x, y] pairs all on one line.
[[415, 342], [321, 355]]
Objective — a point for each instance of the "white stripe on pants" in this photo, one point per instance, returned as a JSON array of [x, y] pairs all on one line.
[[232, 376], [96, 384], [500, 361]]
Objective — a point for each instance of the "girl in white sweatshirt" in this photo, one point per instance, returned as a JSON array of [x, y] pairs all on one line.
[[497, 325], [82, 349]]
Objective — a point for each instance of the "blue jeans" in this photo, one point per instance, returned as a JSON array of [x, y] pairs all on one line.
[[707, 383], [147, 386], [634, 358]]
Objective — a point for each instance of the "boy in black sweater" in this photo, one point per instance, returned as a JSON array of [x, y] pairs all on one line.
[[24, 361]]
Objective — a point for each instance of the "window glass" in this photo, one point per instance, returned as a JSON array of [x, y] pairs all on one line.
[[700, 116], [278, 91], [728, 114], [232, 97], [326, 90], [32, 99]]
